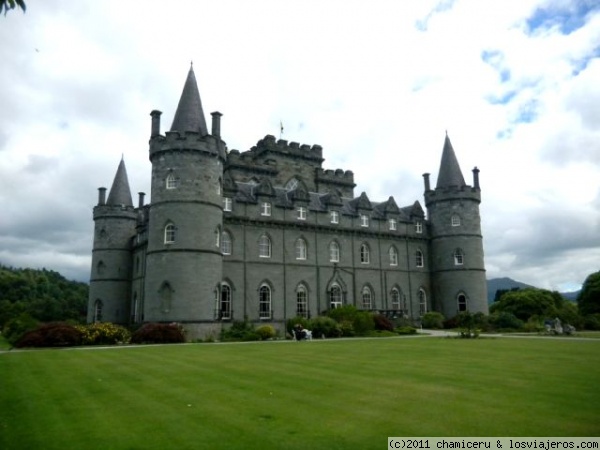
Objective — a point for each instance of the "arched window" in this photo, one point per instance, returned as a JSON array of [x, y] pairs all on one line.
[[393, 256], [422, 297], [335, 297], [217, 237], [334, 252], [219, 186], [459, 257], [300, 249], [171, 182], [264, 302], [170, 233], [462, 302], [225, 306], [455, 220], [419, 260], [98, 306], [264, 246], [395, 297], [367, 298], [301, 301], [226, 243], [365, 254]]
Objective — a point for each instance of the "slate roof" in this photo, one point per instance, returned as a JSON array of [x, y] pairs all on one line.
[[189, 115], [120, 194], [449, 174], [321, 202]]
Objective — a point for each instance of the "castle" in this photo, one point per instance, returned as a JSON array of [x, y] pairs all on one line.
[[268, 234]]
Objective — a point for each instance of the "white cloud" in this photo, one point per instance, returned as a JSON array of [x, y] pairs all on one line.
[[375, 83]]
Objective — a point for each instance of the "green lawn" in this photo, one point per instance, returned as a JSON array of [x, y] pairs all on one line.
[[345, 394]]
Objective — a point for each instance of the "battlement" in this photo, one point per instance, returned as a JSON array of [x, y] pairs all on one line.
[[187, 140], [281, 146], [452, 194]]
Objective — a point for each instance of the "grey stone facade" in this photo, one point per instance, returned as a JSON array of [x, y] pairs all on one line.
[[268, 234]]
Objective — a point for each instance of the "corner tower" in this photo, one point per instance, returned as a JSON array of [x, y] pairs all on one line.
[[184, 261], [114, 227], [456, 258]]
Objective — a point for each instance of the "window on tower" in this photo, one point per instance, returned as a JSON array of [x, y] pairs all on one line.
[[459, 257], [171, 182], [170, 231], [462, 302], [455, 220]]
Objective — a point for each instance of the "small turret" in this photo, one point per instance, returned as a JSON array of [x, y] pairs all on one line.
[[110, 280]]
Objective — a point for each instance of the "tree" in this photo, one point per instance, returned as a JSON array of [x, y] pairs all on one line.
[[5, 5], [588, 299], [526, 303]]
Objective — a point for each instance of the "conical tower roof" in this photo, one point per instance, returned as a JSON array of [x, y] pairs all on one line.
[[189, 115], [120, 194], [449, 174]]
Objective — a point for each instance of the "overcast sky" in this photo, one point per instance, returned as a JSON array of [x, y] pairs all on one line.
[[376, 83]]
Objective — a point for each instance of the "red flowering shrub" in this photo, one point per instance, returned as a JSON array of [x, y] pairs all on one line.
[[55, 334], [383, 323], [158, 333]]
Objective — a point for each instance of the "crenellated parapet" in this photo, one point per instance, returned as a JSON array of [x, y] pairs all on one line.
[[269, 144], [452, 193], [186, 141]]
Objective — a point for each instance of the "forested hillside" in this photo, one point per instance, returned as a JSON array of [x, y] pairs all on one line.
[[43, 294]]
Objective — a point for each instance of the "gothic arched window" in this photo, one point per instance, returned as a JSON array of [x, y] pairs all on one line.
[[170, 233], [264, 302], [300, 249], [367, 298], [264, 246]]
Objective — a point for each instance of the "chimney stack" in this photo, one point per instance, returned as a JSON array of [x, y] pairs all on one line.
[[155, 123], [216, 124], [426, 179], [101, 196], [476, 178]]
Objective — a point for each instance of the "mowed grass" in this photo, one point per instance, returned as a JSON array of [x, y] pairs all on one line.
[[346, 394]]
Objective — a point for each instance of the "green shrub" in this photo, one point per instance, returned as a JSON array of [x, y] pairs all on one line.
[[347, 328], [382, 333], [433, 320], [324, 326], [158, 333], [239, 331], [55, 334], [592, 322], [15, 328], [265, 332], [382, 323], [363, 323], [103, 333], [533, 325], [406, 330], [505, 321]]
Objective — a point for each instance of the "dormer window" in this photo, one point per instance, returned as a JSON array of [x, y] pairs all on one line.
[[364, 220], [392, 223], [292, 184], [335, 216], [418, 227], [301, 212], [171, 182], [265, 209]]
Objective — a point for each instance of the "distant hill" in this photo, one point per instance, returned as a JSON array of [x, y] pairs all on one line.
[[503, 283], [508, 283]]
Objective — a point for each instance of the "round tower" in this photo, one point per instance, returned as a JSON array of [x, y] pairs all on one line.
[[458, 280], [114, 227], [184, 260]]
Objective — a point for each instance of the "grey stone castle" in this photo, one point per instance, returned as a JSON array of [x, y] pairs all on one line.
[[268, 234]]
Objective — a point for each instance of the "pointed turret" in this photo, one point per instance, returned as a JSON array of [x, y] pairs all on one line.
[[449, 174], [120, 194], [189, 115]]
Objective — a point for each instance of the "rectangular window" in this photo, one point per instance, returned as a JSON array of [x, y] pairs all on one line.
[[227, 204], [301, 213], [335, 217], [364, 220], [265, 209], [392, 223], [419, 227]]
